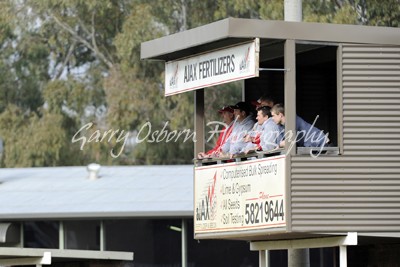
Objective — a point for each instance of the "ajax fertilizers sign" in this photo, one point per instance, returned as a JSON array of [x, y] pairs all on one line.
[[216, 67], [235, 197]]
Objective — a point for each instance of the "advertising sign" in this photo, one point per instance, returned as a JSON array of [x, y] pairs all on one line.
[[216, 67], [242, 196]]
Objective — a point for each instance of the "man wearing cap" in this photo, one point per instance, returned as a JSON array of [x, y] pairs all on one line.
[[227, 117], [243, 124]]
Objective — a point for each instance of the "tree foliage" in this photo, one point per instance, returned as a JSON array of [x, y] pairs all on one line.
[[71, 70]]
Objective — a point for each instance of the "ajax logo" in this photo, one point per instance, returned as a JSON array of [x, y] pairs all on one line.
[[173, 81], [245, 62], [206, 208]]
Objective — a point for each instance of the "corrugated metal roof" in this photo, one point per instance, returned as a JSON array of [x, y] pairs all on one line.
[[121, 191], [235, 30]]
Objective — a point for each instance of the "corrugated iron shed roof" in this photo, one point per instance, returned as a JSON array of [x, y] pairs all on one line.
[[120, 191], [232, 31]]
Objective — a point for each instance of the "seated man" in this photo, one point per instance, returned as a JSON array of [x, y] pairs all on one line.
[[227, 117], [243, 124], [253, 137], [307, 135], [267, 134]]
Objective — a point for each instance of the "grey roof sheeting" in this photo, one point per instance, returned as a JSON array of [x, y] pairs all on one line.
[[121, 191], [234, 30]]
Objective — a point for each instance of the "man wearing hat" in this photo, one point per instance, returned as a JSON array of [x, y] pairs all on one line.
[[227, 117], [243, 124]]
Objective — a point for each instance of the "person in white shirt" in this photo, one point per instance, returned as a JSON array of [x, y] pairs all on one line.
[[268, 134], [243, 124]]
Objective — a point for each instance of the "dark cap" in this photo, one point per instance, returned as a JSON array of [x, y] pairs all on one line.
[[226, 108], [243, 106]]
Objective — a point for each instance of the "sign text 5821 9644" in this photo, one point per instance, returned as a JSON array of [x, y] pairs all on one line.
[[266, 211]]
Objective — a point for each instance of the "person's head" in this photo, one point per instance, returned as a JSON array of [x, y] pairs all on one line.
[[278, 114], [226, 114], [263, 114], [241, 110], [266, 100]]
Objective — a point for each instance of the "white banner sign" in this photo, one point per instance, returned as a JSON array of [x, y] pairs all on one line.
[[241, 196], [217, 67]]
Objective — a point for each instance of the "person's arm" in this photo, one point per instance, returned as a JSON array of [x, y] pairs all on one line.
[[311, 136], [239, 145], [218, 144], [227, 145], [269, 137], [254, 145]]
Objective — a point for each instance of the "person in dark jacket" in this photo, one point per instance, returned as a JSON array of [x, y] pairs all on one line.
[[307, 134]]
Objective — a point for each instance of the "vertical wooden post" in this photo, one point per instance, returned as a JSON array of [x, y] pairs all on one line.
[[263, 258], [184, 244], [61, 235], [343, 256], [199, 121]]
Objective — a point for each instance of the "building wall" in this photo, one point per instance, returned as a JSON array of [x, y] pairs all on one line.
[[153, 241], [358, 190], [371, 100], [345, 193]]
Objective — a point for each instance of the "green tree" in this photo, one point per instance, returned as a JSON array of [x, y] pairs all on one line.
[[44, 86], [371, 12], [67, 64]]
